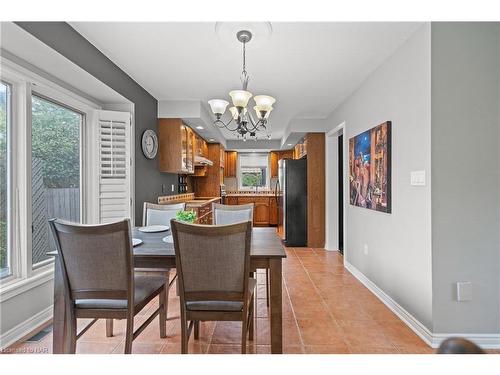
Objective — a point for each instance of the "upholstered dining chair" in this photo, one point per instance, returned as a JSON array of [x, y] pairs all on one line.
[[160, 214], [230, 214], [213, 267], [98, 271]]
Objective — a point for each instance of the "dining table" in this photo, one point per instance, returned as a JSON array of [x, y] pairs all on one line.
[[267, 252]]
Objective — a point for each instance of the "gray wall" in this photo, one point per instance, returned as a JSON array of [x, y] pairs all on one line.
[[465, 175], [64, 39], [399, 244]]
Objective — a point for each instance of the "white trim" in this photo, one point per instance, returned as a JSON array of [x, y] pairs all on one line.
[[26, 327], [18, 286], [485, 341]]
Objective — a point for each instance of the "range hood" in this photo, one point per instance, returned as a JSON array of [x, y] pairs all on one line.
[[202, 161]]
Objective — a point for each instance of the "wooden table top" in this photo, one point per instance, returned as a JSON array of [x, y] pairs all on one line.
[[265, 244]]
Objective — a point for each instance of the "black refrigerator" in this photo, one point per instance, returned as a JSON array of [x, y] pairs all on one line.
[[291, 197]]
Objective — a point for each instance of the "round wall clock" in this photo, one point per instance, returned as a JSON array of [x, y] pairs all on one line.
[[149, 144]]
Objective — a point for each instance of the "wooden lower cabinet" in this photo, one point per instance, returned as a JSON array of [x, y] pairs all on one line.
[[273, 211], [261, 211], [232, 200]]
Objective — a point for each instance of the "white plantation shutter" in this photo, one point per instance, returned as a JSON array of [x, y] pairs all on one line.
[[114, 161]]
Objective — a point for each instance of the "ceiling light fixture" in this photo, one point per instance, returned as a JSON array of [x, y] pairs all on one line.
[[246, 126], [200, 127]]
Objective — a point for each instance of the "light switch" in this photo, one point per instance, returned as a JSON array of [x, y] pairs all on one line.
[[464, 291], [417, 178]]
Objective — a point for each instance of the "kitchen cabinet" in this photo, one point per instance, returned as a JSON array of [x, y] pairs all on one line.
[[209, 184], [232, 200], [300, 149], [276, 156], [273, 211], [230, 163], [201, 147], [261, 208], [175, 147]]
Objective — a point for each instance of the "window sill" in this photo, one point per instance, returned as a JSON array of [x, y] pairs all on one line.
[[19, 286]]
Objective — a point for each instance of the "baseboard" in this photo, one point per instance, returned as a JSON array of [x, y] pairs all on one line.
[[485, 341], [25, 328]]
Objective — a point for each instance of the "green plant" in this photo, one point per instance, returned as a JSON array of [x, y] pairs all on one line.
[[186, 216]]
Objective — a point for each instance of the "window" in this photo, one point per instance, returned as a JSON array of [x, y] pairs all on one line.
[[253, 171], [5, 248], [55, 171]]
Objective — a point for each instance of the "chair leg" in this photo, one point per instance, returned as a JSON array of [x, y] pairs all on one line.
[[163, 311], [267, 287], [129, 335], [109, 327], [184, 332], [244, 332], [167, 290], [197, 330], [252, 317], [72, 349]]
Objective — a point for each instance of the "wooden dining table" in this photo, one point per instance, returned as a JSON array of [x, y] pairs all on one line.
[[267, 252]]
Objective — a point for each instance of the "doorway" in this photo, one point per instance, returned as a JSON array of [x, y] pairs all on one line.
[[340, 176]]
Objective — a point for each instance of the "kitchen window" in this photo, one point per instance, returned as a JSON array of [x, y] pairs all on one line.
[[253, 171]]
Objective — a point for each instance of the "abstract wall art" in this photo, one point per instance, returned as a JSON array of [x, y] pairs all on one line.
[[370, 168]]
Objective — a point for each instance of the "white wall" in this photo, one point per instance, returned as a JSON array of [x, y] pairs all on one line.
[[466, 176], [399, 244]]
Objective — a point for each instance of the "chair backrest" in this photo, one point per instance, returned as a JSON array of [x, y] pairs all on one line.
[[231, 214], [160, 214], [212, 262], [96, 260]]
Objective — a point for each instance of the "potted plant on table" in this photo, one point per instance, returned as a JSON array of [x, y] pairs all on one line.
[[186, 216]]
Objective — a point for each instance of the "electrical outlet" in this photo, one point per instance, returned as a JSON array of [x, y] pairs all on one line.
[[464, 291], [365, 249], [173, 188]]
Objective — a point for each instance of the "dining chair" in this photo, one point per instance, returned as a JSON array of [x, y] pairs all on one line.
[[230, 214], [97, 267], [213, 268], [160, 214]]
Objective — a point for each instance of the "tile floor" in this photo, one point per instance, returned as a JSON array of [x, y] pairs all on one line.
[[325, 310]]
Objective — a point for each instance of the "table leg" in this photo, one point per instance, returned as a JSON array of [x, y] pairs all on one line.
[[276, 306], [62, 323]]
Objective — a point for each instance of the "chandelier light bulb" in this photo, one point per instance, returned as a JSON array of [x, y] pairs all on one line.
[[240, 97], [264, 101], [234, 112], [218, 106]]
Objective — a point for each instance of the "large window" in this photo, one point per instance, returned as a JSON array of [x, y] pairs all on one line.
[[55, 171], [253, 170], [5, 248]]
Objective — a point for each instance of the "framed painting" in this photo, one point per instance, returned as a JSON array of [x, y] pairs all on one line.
[[370, 168]]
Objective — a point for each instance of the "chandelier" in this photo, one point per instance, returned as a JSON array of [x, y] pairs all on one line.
[[242, 122]]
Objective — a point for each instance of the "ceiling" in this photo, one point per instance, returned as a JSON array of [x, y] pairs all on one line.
[[310, 68]]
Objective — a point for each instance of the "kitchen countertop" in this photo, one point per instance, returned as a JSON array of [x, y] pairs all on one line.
[[201, 201], [252, 194]]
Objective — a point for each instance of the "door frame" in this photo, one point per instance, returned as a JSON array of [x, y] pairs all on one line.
[[332, 195]]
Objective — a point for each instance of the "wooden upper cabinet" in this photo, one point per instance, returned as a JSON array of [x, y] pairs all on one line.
[[276, 156], [200, 146], [175, 147], [273, 161], [230, 163]]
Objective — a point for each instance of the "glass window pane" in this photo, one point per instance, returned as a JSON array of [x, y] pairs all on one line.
[[5, 249], [55, 177], [253, 170]]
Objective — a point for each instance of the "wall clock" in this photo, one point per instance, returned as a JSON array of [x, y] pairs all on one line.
[[149, 144]]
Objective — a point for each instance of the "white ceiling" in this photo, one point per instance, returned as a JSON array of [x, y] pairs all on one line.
[[309, 67]]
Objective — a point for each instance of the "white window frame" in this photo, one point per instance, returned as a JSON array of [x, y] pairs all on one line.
[[240, 175], [23, 83]]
